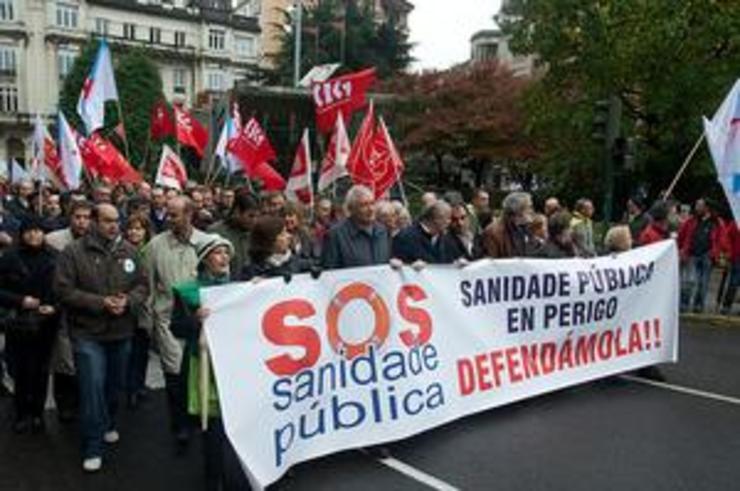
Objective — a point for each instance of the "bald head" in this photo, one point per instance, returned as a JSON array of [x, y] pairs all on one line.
[[106, 221], [180, 216]]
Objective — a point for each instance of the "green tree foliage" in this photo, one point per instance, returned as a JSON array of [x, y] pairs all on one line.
[[340, 31], [139, 87], [669, 62]]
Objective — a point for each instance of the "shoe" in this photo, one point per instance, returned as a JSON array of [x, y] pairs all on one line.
[[21, 425], [111, 436], [37, 425], [92, 464]]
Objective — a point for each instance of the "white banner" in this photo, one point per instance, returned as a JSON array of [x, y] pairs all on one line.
[[369, 355]]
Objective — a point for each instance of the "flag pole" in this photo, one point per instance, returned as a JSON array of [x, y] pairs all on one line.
[[123, 127], [686, 162]]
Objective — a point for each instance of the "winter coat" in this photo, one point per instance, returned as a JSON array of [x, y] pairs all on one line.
[[169, 262], [264, 269], [653, 233], [88, 271], [686, 237], [413, 243], [28, 272], [502, 239], [350, 246]]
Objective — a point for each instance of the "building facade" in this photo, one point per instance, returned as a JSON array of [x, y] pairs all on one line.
[[490, 44], [200, 47]]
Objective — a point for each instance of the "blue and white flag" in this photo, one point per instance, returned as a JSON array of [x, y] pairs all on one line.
[[230, 130], [723, 138]]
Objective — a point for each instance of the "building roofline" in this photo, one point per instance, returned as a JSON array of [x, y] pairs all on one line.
[[485, 33]]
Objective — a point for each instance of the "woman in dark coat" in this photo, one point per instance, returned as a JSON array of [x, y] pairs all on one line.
[[271, 252], [26, 273]]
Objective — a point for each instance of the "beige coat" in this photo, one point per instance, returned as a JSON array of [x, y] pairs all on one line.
[[169, 261]]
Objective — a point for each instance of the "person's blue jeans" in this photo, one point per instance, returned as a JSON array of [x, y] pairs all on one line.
[[101, 370], [695, 276]]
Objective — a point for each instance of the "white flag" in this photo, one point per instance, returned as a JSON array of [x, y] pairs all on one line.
[[19, 173], [69, 153], [38, 148], [171, 172], [723, 138], [231, 129], [334, 164], [99, 87]]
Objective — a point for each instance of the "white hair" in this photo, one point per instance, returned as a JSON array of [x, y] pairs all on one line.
[[354, 195]]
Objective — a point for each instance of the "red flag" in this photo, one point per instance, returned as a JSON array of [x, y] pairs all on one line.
[[107, 162], [345, 94], [160, 124], [385, 162], [359, 158], [190, 132], [171, 172], [299, 183], [271, 179], [251, 146]]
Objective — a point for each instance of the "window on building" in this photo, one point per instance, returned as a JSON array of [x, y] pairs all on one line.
[[155, 35], [8, 99], [65, 59], [7, 11], [215, 80], [244, 46], [129, 31], [216, 39], [178, 82], [67, 15], [179, 38], [102, 26], [7, 60]]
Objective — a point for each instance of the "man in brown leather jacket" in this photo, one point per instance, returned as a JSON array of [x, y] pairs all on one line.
[[102, 287]]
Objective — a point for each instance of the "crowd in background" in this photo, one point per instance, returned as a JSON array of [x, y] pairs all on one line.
[[91, 281]]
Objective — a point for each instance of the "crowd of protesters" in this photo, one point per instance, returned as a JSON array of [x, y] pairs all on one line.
[[90, 282]]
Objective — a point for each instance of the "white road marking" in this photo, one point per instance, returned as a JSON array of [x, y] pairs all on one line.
[[684, 390], [417, 475]]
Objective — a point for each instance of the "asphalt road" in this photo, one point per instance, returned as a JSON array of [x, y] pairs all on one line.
[[616, 433]]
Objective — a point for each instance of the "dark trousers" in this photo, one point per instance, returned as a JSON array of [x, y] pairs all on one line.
[[29, 353], [222, 467], [66, 394], [731, 289], [136, 377], [177, 402], [101, 370]]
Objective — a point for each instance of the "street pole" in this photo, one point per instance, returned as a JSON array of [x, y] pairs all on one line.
[[298, 28]]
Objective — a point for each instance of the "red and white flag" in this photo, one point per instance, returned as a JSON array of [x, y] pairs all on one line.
[[345, 93], [171, 172], [190, 132], [334, 165], [299, 187], [99, 87], [251, 146], [69, 153]]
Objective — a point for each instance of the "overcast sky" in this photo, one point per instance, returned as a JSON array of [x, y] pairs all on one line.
[[442, 29]]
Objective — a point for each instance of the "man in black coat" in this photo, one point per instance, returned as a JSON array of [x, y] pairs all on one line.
[[424, 240]]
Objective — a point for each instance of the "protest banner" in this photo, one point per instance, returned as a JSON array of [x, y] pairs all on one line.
[[364, 356]]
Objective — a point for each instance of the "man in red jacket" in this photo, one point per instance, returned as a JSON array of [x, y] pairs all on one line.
[[657, 229], [700, 246]]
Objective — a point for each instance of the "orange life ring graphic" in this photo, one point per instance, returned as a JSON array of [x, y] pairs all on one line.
[[357, 291]]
